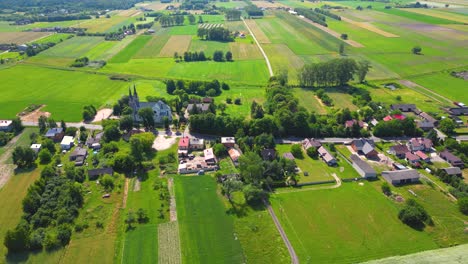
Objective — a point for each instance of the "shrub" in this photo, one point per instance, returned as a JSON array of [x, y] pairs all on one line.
[[237, 101], [413, 214], [296, 150], [312, 152], [386, 188], [463, 205]]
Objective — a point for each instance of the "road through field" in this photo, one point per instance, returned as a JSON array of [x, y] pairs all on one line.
[[6, 170], [413, 85], [270, 70]]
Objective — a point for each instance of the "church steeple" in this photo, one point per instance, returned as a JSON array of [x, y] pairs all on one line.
[[134, 91], [129, 92]]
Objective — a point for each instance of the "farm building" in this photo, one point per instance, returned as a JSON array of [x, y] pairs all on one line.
[[425, 125], [427, 117], [268, 154], [453, 171], [365, 147], [457, 111], [56, 134], [364, 169], [36, 147], [210, 157], [326, 156], [311, 142], [6, 125], [404, 107], [401, 176], [160, 109], [184, 144], [399, 150], [228, 142], [423, 144], [67, 143], [452, 159], [234, 154], [79, 156], [197, 143], [95, 173]]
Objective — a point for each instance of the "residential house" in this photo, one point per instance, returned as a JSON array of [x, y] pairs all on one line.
[[95, 173], [36, 147], [429, 118], [422, 156], [196, 143], [67, 143], [6, 125], [79, 156], [351, 123], [184, 144], [403, 107], [56, 134], [94, 142], [311, 142], [400, 177], [210, 158], [423, 144], [234, 154], [458, 111], [362, 167], [161, 110], [268, 154], [387, 118], [288, 155], [399, 150], [365, 147], [412, 158], [228, 142], [452, 159], [326, 156], [453, 171], [425, 125], [199, 108]]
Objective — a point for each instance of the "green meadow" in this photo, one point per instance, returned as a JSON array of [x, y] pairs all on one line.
[[128, 52], [206, 231], [72, 48], [444, 84], [63, 92], [418, 17]]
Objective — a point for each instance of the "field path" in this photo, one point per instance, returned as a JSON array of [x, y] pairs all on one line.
[[431, 94], [370, 27], [6, 169], [292, 253], [270, 70], [338, 184], [333, 33], [172, 201]]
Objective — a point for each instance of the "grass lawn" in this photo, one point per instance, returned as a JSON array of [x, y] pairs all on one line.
[[349, 224], [208, 47], [55, 38], [64, 97], [132, 49], [308, 100], [72, 48], [444, 84], [419, 17], [207, 233], [153, 47]]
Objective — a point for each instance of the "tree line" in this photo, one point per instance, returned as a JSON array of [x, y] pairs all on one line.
[[327, 13], [216, 34], [189, 56], [213, 88], [310, 14], [232, 14]]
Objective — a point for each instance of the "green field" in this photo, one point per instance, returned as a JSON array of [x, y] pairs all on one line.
[[72, 48], [55, 38], [6, 27], [206, 231], [349, 224], [128, 52], [418, 17], [63, 92], [444, 84]]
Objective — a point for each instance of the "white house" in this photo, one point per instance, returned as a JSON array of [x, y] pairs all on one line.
[[67, 143], [36, 147]]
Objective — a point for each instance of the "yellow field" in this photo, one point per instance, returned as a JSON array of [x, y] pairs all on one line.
[[178, 43], [265, 4], [245, 51], [129, 13], [101, 24], [261, 37], [21, 37], [439, 14]]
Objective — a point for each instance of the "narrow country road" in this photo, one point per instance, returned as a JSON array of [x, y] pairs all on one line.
[[292, 253], [270, 70], [77, 125], [337, 180], [6, 170]]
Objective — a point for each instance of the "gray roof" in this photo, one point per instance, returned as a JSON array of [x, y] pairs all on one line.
[[453, 170], [79, 152], [100, 171], [200, 107], [400, 175], [53, 131], [359, 143], [367, 148], [402, 106], [449, 156], [400, 149], [362, 164], [428, 117]]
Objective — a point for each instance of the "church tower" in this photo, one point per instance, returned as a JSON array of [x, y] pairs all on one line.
[[135, 95]]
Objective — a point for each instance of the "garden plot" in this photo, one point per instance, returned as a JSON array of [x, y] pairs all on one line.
[[210, 26], [169, 243], [21, 37]]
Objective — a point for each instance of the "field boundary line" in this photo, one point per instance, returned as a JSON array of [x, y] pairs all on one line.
[[270, 70], [413, 85]]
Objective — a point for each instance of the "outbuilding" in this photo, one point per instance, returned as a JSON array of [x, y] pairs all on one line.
[[400, 177], [67, 143], [362, 167]]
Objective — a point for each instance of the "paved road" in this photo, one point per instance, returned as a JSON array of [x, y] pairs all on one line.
[[270, 70], [77, 125], [292, 253]]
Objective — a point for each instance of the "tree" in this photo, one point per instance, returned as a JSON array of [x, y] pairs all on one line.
[[111, 133], [282, 76], [296, 150], [221, 107], [253, 194], [463, 205], [237, 101], [251, 169], [42, 124], [386, 188], [142, 216], [170, 86], [344, 36], [17, 240], [219, 150], [123, 163], [23, 157], [130, 219], [416, 50], [147, 117], [63, 125], [218, 56], [107, 182], [312, 152], [413, 214], [200, 20], [447, 126], [126, 123], [229, 56], [44, 156], [230, 186], [191, 19], [363, 68], [341, 49], [16, 125]]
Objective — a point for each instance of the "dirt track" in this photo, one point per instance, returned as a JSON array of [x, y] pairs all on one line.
[[6, 169]]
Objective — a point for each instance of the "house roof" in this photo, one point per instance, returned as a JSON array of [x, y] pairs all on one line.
[[459, 110], [308, 143], [100, 171], [400, 175], [402, 106], [421, 155], [67, 140], [53, 131], [453, 170], [234, 154], [197, 141], [200, 107], [400, 149], [359, 143], [268, 154], [449, 156], [362, 164], [416, 142], [387, 118], [208, 153], [184, 142], [5, 123], [288, 155], [425, 124], [350, 123], [225, 140], [428, 117], [399, 117], [367, 148], [410, 156], [326, 156], [79, 152]]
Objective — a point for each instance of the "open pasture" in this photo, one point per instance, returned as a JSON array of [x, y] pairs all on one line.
[[439, 14], [445, 84], [282, 57], [102, 24], [64, 97], [370, 27], [54, 38], [157, 6], [130, 50], [206, 231], [153, 47], [308, 100], [418, 17], [179, 44], [207, 46], [244, 51], [352, 223], [168, 242], [6, 27], [72, 48], [257, 31], [21, 37]]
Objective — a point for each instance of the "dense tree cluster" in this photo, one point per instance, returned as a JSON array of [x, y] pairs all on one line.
[[336, 72], [80, 62], [89, 111], [397, 128], [180, 87], [327, 13], [413, 214], [232, 14], [41, 5], [172, 20], [312, 15], [215, 33], [253, 10]]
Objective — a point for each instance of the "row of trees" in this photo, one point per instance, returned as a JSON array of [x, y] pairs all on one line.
[[232, 14], [215, 33], [336, 72], [213, 88], [310, 14], [80, 62], [327, 13], [189, 56], [171, 20]]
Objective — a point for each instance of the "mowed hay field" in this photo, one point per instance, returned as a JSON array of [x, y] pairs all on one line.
[[206, 232], [102, 24], [21, 37], [177, 43], [72, 48], [349, 224], [446, 85], [63, 92], [129, 51]]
